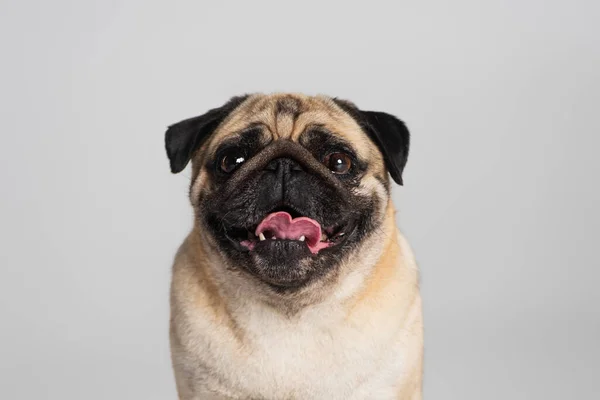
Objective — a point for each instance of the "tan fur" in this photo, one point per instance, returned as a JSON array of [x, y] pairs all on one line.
[[355, 335], [315, 110]]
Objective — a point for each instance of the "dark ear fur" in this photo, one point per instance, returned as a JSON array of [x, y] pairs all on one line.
[[389, 134], [185, 137]]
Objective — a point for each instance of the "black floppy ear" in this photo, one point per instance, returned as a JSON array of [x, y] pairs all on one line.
[[389, 134], [393, 139], [185, 137]]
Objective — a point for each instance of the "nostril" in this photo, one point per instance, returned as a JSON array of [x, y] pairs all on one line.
[[286, 164], [272, 166]]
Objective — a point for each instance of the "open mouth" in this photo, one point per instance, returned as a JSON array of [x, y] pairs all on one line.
[[287, 225]]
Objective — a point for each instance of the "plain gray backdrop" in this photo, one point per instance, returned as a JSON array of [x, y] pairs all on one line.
[[500, 199]]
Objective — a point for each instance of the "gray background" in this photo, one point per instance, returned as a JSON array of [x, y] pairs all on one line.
[[500, 202]]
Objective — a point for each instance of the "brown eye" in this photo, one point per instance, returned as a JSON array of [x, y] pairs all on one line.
[[232, 160], [338, 163]]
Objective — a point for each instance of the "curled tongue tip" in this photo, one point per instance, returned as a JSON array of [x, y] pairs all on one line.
[[281, 225]]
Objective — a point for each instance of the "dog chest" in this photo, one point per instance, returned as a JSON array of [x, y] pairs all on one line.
[[304, 360]]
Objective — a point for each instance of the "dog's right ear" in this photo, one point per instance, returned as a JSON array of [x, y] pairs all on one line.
[[184, 138]]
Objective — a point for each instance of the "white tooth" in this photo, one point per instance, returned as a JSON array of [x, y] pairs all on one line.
[[261, 236], [274, 238], [341, 234], [302, 238]]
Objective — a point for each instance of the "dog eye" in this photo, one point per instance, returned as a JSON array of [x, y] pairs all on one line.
[[338, 163], [231, 160]]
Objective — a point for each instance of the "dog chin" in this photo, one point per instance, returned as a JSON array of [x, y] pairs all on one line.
[[281, 263]]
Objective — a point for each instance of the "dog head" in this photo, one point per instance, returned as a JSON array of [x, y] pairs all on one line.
[[288, 187]]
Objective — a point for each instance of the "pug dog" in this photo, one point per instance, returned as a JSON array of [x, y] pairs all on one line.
[[294, 282]]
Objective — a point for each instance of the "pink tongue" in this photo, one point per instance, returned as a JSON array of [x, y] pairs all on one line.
[[281, 226]]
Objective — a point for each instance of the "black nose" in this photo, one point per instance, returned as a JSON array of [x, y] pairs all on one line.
[[284, 166], [283, 174]]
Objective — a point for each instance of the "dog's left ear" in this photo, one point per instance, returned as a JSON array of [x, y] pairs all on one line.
[[185, 137], [393, 139], [389, 134]]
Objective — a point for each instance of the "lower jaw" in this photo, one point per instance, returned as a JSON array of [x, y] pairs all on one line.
[[284, 278]]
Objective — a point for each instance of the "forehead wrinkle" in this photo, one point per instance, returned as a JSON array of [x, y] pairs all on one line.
[[277, 112], [255, 112], [339, 125], [284, 126], [233, 136], [317, 133], [286, 108]]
